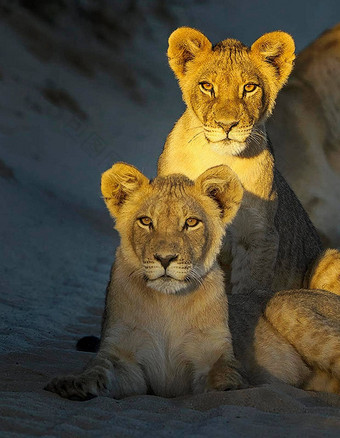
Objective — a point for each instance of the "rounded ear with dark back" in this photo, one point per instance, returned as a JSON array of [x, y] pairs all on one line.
[[276, 49], [118, 183], [222, 185], [184, 44]]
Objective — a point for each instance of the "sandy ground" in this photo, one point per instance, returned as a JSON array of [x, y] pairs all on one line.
[[57, 242]]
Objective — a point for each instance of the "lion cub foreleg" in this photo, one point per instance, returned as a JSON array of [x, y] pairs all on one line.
[[215, 366], [109, 373]]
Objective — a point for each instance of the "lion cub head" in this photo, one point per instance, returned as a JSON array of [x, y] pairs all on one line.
[[230, 87], [171, 228]]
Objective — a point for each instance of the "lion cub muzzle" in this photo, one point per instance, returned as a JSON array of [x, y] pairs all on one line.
[[228, 129], [166, 261], [227, 125]]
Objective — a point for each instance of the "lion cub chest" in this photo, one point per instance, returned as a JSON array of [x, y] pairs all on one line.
[[166, 359], [172, 352]]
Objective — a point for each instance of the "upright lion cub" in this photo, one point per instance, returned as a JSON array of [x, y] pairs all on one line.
[[165, 328], [230, 90]]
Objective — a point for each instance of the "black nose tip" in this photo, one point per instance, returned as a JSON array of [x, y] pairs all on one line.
[[165, 261]]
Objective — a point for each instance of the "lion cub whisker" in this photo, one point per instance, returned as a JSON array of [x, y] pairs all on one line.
[[196, 135]]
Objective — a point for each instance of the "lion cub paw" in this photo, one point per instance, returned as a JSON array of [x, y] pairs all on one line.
[[80, 387], [223, 379], [225, 375]]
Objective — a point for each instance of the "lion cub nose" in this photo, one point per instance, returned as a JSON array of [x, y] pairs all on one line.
[[227, 125], [165, 261]]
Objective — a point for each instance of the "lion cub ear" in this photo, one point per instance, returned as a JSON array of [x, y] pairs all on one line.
[[118, 183], [184, 44], [222, 185], [276, 49]]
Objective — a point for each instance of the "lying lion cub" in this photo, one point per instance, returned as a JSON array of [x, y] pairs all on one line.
[[165, 328]]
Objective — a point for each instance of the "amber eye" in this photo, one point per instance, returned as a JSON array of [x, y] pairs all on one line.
[[207, 86], [191, 222], [248, 88], [146, 221]]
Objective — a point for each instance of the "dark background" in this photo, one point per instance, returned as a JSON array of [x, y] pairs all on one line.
[[84, 84]]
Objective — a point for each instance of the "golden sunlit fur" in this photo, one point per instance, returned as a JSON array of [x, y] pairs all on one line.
[[305, 131], [291, 336], [271, 243], [228, 115], [165, 328], [167, 325]]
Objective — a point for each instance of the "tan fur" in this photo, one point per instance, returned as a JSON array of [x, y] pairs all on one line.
[[165, 327], [305, 131], [325, 273], [170, 337], [272, 243], [291, 336]]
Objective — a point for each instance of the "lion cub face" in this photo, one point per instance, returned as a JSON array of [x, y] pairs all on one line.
[[171, 228], [230, 87]]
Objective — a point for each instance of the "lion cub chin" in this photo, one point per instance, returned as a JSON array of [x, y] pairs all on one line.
[[165, 328]]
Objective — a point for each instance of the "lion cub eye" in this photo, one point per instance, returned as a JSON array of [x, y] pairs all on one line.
[[146, 221], [248, 88], [207, 86], [191, 222]]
